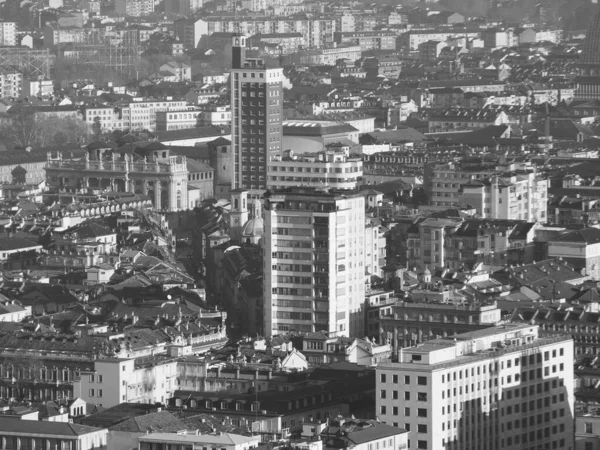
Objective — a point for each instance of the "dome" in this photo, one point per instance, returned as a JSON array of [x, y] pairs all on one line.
[[427, 271], [253, 228]]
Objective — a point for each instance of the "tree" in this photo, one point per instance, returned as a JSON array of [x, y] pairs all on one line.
[[27, 131]]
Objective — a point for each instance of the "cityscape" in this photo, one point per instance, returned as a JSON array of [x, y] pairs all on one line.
[[299, 225]]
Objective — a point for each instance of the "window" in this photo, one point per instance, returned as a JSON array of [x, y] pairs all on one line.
[[383, 378], [383, 410], [383, 393], [422, 428], [421, 444], [422, 396], [422, 412], [406, 379], [589, 428], [99, 378], [407, 412], [395, 379], [99, 392], [91, 392], [406, 395], [422, 381]]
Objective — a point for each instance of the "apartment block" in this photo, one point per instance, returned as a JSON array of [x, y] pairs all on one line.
[[505, 387], [367, 40], [256, 108], [512, 196], [141, 114], [333, 168], [11, 82], [134, 8], [314, 251], [8, 34]]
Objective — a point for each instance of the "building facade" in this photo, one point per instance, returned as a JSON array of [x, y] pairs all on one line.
[[148, 170], [498, 388], [256, 107], [335, 169], [314, 252], [8, 34]]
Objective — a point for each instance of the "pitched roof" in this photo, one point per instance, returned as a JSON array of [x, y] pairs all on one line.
[[587, 235], [162, 421], [15, 243], [25, 427]]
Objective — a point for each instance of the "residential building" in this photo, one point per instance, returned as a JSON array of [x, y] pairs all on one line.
[[128, 380], [140, 114], [109, 118], [256, 107], [587, 430], [580, 248], [8, 34], [414, 322], [11, 82], [177, 119], [134, 8], [329, 56], [40, 434], [333, 168], [37, 87], [483, 389], [496, 38], [358, 434], [328, 348], [512, 196], [367, 40], [179, 441], [316, 279], [411, 40], [431, 50], [465, 119]]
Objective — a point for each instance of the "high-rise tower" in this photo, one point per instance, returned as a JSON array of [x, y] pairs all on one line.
[[256, 106], [588, 80], [314, 247]]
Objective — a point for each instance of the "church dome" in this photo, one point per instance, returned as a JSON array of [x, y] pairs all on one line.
[[253, 228]]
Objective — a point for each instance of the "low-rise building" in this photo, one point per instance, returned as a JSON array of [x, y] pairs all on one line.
[[11, 82], [45, 434], [180, 441], [580, 248]]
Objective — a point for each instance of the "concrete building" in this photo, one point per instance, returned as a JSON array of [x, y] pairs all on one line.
[[518, 196], [122, 380], [498, 388], [11, 82], [414, 322], [580, 248], [8, 34], [331, 168], [256, 107], [140, 114], [587, 431], [314, 249], [134, 8], [367, 40]]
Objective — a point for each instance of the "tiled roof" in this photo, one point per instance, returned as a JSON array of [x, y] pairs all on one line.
[[25, 427], [162, 421]]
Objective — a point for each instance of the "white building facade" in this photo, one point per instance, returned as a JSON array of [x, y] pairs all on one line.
[[314, 255], [504, 387]]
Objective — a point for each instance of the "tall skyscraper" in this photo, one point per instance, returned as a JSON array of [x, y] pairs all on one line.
[[504, 387], [256, 107], [314, 277], [588, 79]]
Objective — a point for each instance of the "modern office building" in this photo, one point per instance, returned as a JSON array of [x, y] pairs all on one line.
[[256, 109], [314, 261], [505, 387]]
